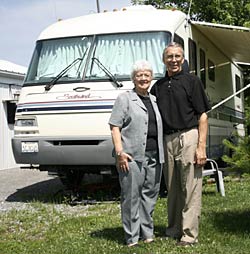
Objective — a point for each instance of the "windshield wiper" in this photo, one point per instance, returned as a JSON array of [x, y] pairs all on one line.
[[55, 79], [110, 75], [61, 74]]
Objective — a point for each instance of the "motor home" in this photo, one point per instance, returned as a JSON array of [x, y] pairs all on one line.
[[80, 65]]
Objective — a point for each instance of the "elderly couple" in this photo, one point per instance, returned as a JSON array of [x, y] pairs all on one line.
[[169, 122]]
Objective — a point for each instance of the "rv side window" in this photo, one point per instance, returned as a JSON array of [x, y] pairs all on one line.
[[203, 67], [237, 83], [192, 56], [179, 40], [211, 70]]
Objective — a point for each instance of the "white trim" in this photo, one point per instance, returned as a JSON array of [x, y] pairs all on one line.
[[239, 28]]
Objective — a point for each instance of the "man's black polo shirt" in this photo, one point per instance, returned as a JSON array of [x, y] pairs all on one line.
[[181, 100]]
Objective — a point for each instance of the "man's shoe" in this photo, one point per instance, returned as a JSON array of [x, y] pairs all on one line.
[[184, 244]]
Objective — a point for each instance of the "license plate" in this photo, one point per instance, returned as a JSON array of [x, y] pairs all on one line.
[[29, 147]]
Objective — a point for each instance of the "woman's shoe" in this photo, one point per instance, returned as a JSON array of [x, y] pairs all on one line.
[[149, 240], [132, 244]]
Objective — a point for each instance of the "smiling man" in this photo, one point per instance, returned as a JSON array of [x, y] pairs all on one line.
[[182, 103]]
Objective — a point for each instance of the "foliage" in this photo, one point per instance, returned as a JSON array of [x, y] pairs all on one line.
[[240, 159], [240, 152], [230, 12], [45, 228]]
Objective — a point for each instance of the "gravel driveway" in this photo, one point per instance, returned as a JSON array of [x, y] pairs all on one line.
[[20, 186]]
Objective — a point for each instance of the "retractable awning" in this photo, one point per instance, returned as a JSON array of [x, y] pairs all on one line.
[[233, 41]]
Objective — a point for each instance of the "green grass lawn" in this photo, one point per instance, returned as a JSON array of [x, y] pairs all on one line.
[[44, 229]]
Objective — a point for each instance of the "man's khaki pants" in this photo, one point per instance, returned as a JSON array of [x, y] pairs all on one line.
[[184, 184]]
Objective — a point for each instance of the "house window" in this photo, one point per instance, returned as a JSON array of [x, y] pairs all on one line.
[[11, 111]]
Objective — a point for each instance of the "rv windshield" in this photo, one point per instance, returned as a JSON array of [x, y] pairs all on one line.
[[117, 52]]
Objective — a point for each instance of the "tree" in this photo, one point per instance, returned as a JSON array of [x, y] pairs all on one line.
[[229, 12]]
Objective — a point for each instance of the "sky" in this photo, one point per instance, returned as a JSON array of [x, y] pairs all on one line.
[[21, 22]]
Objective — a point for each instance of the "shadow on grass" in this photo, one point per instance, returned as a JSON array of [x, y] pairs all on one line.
[[237, 222], [115, 234], [210, 192], [160, 231]]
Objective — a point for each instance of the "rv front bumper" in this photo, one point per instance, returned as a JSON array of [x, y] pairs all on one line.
[[66, 151]]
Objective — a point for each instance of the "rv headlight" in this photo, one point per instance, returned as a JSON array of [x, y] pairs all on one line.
[[25, 122]]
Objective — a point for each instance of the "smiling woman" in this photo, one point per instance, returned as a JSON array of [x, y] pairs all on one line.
[[136, 130]]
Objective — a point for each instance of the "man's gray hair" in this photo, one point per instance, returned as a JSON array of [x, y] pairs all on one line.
[[141, 65]]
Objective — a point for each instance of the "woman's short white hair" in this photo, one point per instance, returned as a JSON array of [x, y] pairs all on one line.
[[141, 65]]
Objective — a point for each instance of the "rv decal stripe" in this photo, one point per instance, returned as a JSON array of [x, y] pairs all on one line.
[[56, 103], [36, 109]]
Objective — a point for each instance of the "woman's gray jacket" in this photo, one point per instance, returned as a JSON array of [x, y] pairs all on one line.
[[130, 114]]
